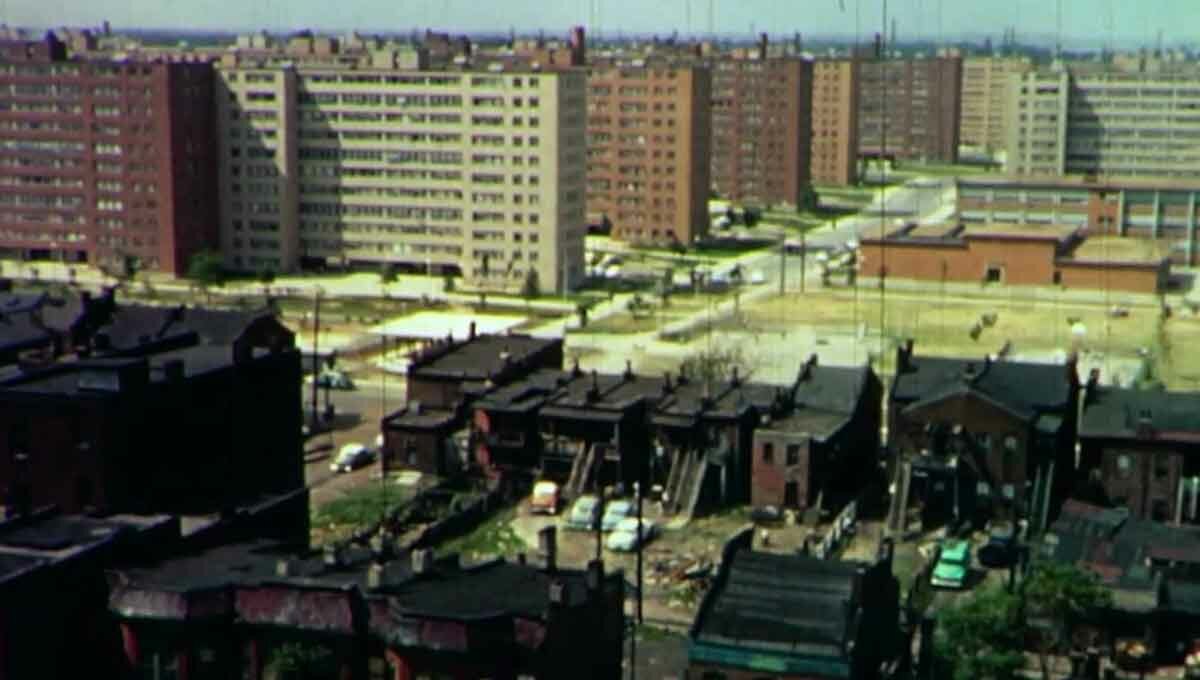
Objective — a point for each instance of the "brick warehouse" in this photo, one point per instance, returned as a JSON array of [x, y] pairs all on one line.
[[105, 163], [1040, 255]]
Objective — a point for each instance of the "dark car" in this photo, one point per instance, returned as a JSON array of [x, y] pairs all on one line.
[[1001, 547]]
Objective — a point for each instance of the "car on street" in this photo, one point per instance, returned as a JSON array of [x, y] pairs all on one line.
[[614, 512], [545, 499], [625, 536], [1001, 547], [335, 380], [585, 513], [350, 457], [953, 565]]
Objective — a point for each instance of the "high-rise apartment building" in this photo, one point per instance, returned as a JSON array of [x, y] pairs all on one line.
[[648, 136], [1105, 124], [985, 91], [835, 95], [761, 128], [919, 98], [105, 163], [479, 173]]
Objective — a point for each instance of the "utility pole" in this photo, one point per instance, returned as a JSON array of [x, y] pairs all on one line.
[[316, 355], [804, 254], [782, 265], [637, 489]]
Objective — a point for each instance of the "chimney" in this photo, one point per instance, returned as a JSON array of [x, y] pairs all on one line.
[[904, 356], [734, 378], [173, 370], [558, 594], [471, 332], [628, 369], [422, 561], [548, 548], [762, 46], [807, 369], [887, 548], [283, 568], [666, 387], [595, 575], [575, 370], [375, 576], [333, 556], [1145, 424]]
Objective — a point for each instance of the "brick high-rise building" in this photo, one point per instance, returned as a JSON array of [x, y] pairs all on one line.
[[105, 163], [985, 91], [921, 100], [648, 136], [835, 122], [761, 125], [455, 171]]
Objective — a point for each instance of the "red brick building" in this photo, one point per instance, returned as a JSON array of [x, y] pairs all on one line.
[[762, 128], [921, 102], [649, 130], [105, 163], [1022, 254]]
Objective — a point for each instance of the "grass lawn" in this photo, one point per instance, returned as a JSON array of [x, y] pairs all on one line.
[[493, 537], [359, 507]]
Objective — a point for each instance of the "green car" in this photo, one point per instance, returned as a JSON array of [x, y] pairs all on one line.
[[953, 565]]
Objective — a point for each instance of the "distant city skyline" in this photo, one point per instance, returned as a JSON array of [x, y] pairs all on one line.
[[1084, 22]]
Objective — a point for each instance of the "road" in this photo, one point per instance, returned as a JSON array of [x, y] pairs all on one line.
[[358, 413]]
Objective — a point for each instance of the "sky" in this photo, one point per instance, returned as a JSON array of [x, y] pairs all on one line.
[[1084, 21]]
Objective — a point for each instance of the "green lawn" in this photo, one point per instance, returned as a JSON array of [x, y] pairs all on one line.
[[493, 537], [359, 507]]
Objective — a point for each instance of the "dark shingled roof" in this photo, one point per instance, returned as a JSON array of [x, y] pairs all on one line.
[[529, 393], [480, 357], [12, 565], [490, 589], [60, 532], [783, 602], [1019, 387], [1115, 412]]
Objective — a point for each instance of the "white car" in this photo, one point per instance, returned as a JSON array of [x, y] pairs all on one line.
[[757, 277], [350, 457], [624, 537]]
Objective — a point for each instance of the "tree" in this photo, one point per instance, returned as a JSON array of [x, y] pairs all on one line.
[[981, 637], [713, 366], [207, 269], [582, 308], [750, 217], [532, 287], [1059, 595], [809, 200], [448, 283]]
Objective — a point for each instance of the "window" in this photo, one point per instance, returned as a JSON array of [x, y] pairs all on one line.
[[1162, 465], [1124, 466], [793, 454], [768, 452]]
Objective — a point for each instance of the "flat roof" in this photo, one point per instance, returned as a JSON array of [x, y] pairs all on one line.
[[430, 325], [1122, 249], [1107, 183], [944, 230], [1057, 232]]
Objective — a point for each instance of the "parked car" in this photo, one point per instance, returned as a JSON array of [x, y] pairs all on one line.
[[545, 499], [625, 536], [1001, 547], [614, 513], [335, 380], [585, 513], [351, 456], [953, 565]]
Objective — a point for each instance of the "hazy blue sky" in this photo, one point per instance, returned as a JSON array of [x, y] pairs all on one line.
[[1089, 20]]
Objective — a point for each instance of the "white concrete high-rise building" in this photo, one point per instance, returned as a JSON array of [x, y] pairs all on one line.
[[479, 173]]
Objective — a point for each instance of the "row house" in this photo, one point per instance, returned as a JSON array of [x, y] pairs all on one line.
[[980, 437]]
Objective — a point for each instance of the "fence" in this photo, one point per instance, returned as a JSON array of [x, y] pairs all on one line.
[[843, 525]]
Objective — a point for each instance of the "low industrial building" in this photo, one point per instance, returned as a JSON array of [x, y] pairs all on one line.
[[1017, 254], [1160, 209]]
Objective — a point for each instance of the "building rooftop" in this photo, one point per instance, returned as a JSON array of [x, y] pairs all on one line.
[[477, 357], [1080, 182], [1025, 389], [787, 603], [529, 393], [1054, 232], [1119, 413], [1122, 249]]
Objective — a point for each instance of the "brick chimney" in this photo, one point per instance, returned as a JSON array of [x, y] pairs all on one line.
[[548, 548]]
